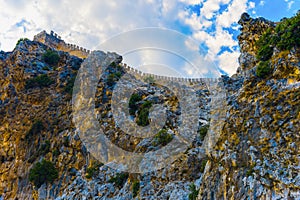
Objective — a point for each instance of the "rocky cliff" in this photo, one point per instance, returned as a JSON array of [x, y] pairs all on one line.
[[256, 155]]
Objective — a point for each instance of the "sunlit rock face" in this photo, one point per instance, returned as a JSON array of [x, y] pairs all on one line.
[[252, 151], [257, 155]]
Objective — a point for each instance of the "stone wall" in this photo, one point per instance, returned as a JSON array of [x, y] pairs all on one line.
[[54, 40], [169, 78]]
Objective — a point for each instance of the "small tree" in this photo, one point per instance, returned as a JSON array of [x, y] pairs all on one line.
[[120, 179], [263, 69], [70, 84], [203, 131], [162, 137], [93, 169], [40, 81], [21, 40], [203, 164], [110, 79], [43, 172], [133, 103], [194, 192], [135, 188], [143, 114], [265, 52], [51, 57]]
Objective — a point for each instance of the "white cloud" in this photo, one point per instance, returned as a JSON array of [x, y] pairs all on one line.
[[290, 4], [211, 6], [251, 5], [233, 14], [262, 3], [229, 61], [193, 21]]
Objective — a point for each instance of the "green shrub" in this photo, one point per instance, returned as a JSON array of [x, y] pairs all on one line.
[[69, 86], [143, 110], [39, 81], [265, 46], [143, 114], [149, 79], [120, 179], [116, 66], [203, 131], [135, 188], [55, 153], [113, 64], [51, 57], [110, 79], [93, 170], [35, 129], [250, 171], [162, 137], [43, 172], [194, 192], [21, 40], [118, 74], [133, 103], [143, 117], [284, 36], [203, 164], [265, 53], [288, 30], [263, 69]]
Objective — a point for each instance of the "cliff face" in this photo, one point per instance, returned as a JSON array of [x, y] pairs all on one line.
[[256, 155], [35, 120], [251, 31]]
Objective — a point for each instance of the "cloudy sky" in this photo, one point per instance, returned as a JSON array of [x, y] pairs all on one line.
[[212, 24]]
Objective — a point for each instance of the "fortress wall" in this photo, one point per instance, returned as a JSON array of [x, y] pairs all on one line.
[[54, 40], [142, 75]]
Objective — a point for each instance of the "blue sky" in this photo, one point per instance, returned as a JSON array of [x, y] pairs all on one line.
[[210, 23]]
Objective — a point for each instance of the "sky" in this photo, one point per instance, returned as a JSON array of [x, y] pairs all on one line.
[[211, 24]]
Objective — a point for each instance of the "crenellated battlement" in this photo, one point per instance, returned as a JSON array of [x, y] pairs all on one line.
[[54, 40], [142, 75]]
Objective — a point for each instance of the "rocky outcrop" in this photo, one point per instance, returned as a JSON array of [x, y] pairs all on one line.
[[257, 155], [22, 107], [251, 31]]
